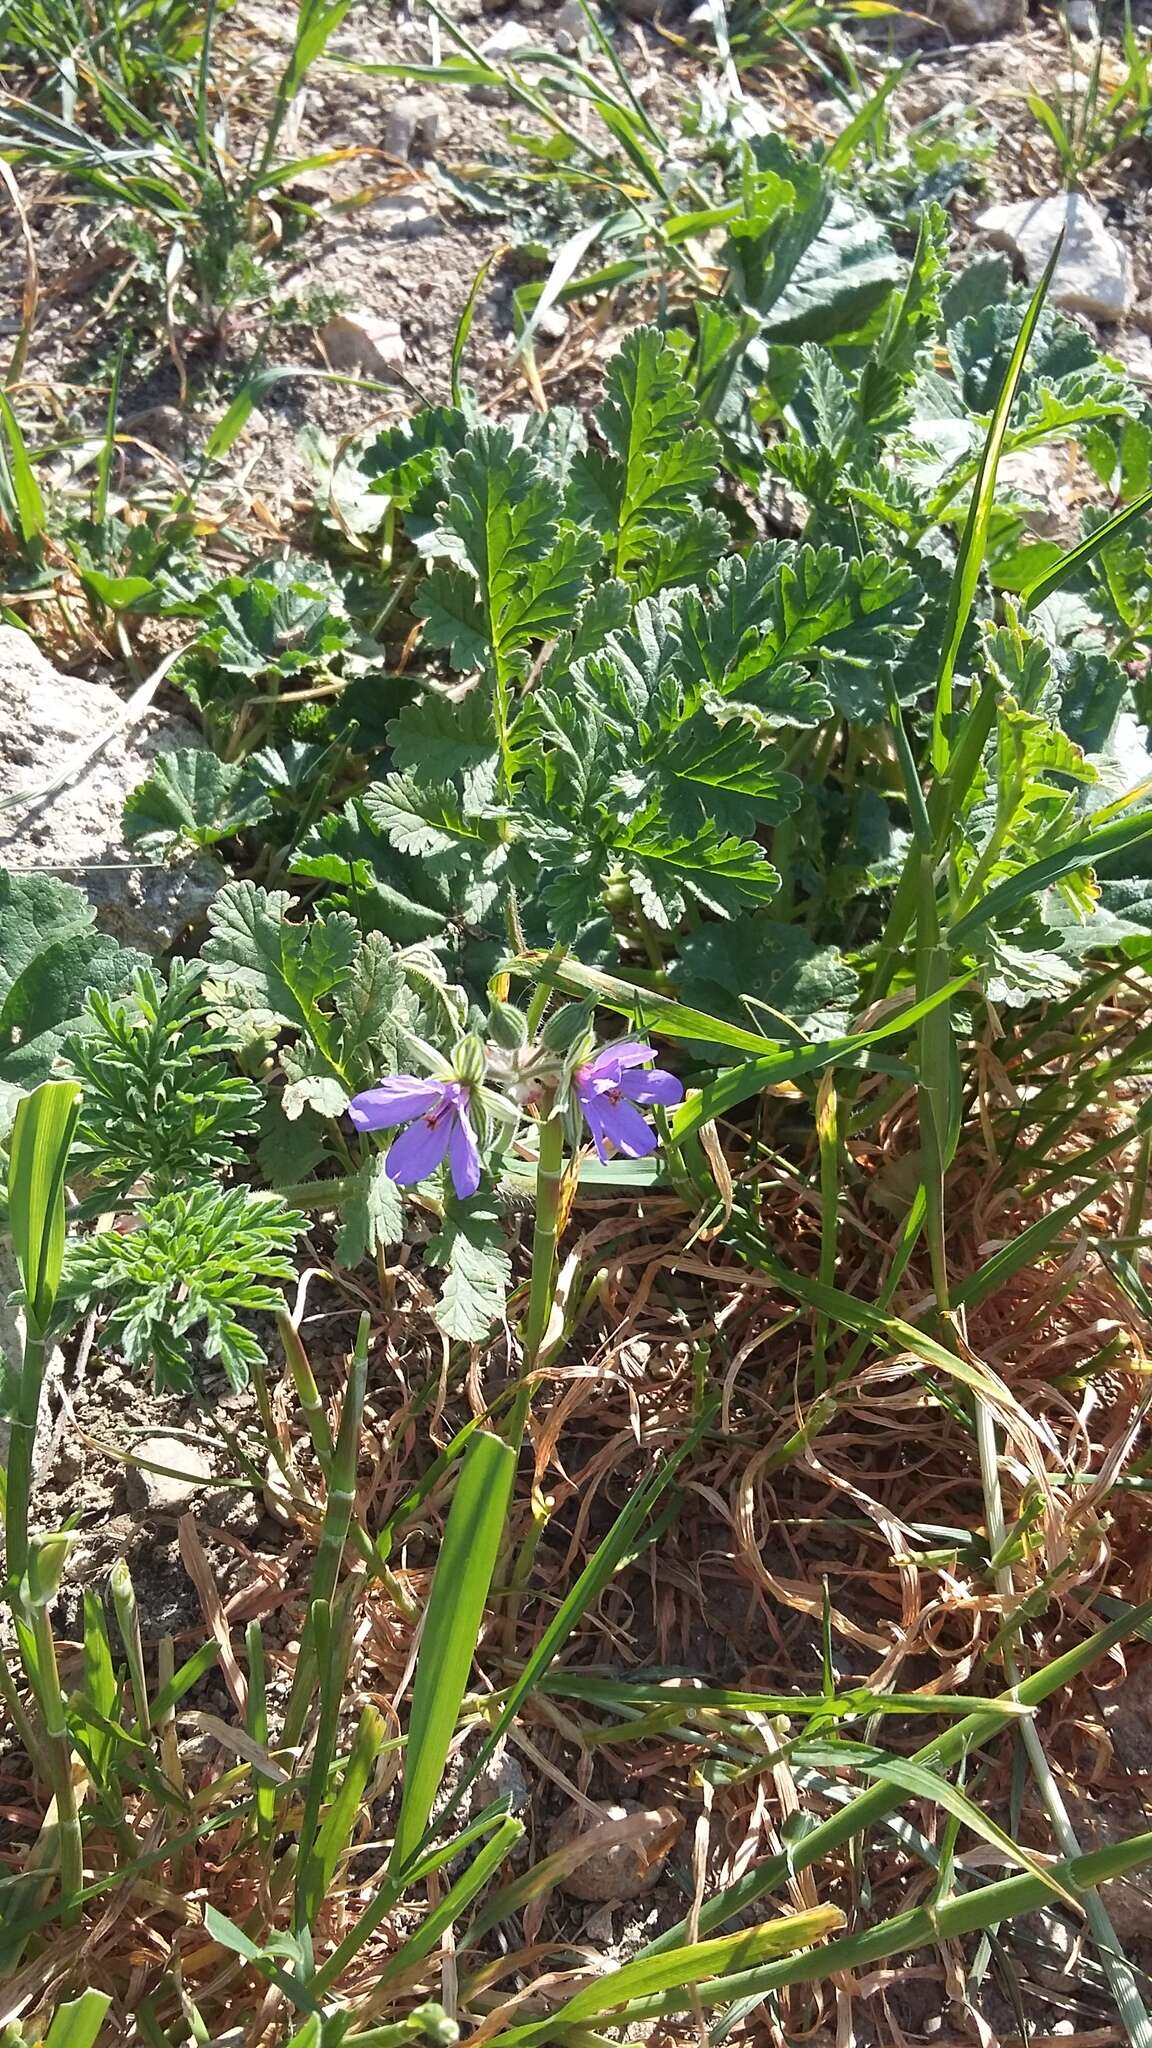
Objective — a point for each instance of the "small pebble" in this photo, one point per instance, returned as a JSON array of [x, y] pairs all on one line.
[[627, 1869], [363, 341], [168, 1492], [411, 123]]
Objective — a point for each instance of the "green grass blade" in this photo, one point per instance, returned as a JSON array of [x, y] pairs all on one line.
[[737, 1084], [1023, 1250], [1083, 552], [921, 1927], [603, 1563], [37, 1161], [1089, 846], [699, 1961], [966, 575], [919, 1783], [335, 1832], [483, 1866], [26, 491], [472, 1538], [78, 2025], [869, 1808], [464, 324]]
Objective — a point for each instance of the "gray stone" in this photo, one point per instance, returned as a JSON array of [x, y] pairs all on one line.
[[412, 123], [54, 725], [570, 26], [363, 341], [1082, 18], [405, 217], [168, 1492], [1094, 274], [979, 21]]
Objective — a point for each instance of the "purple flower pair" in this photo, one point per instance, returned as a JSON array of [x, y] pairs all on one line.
[[611, 1090]]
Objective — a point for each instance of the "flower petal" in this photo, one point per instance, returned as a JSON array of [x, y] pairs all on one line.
[[396, 1101], [596, 1111], [631, 1052], [417, 1152], [628, 1131], [655, 1086], [463, 1155]]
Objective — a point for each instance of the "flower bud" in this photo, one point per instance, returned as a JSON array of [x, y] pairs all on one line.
[[431, 2023], [565, 1026], [507, 1026], [468, 1061], [47, 1557]]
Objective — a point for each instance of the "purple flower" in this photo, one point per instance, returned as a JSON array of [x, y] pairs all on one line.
[[436, 1113], [608, 1090]]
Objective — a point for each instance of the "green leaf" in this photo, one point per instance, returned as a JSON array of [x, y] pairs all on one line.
[[472, 1539], [267, 971], [439, 738], [196, 1260], [669, 870], [500, 525], [37, 1161], [761, 969], [472, 1247], [194, 799], [449, 603], [727, 773], [51, 958], [804, 259], [119, 593], [424, 819], [373, 1217], [884, 386], [658, 463]]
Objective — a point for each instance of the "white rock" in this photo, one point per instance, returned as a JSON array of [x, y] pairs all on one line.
[[1094, 274], [363, 341], [412, 122], [189, 1468], [405, 217], [1043, 482], [503, 40], [979, 21], [51, 722], [553, 323]]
